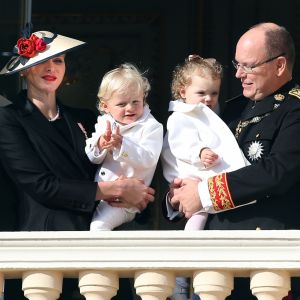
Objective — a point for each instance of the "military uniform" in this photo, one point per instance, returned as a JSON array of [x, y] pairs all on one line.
[[267, 131], [268, 134]]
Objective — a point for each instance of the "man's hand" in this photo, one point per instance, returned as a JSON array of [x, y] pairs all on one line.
[[186, 196], [176, 184]]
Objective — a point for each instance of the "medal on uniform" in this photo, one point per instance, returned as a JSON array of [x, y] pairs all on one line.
[[279, 97], [255, 150]]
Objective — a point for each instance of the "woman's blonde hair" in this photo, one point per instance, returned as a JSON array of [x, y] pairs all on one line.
[[204, 67], [121, 80]]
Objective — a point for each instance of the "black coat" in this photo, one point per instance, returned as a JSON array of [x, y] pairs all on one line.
[[268, 134], [46, 162], [8, 217]]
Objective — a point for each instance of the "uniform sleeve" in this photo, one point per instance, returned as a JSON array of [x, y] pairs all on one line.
[[273, 175]]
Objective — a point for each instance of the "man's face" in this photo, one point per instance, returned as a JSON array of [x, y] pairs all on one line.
[[251, 51]]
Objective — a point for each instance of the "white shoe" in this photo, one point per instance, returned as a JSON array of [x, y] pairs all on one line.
[[107, 217]]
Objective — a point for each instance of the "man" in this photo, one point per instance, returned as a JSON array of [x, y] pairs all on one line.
[[267, 130]]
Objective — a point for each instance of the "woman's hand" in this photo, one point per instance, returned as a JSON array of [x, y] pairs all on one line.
[[126, 192]]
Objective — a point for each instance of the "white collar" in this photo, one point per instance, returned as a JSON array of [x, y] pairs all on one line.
[[179, 105]]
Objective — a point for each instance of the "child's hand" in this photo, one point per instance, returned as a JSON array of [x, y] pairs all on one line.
[[105, 138], [110, 140], [208, 157], [116, 139]]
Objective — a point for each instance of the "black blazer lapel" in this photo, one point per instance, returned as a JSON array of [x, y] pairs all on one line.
[[33, 119], [78, 141]]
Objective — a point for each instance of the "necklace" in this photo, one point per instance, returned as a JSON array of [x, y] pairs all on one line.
[[56, 116]]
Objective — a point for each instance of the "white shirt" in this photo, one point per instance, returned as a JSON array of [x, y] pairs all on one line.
[[139, 152]]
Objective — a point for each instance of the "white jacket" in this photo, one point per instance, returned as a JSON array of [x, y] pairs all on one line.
[[139, 152], [190, 128]]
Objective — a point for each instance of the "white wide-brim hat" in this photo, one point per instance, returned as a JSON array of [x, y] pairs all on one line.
[[48, 46]]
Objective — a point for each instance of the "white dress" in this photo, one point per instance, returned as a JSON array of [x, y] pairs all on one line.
[[190, 128]]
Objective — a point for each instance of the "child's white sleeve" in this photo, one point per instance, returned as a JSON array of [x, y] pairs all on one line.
[[92, 151]]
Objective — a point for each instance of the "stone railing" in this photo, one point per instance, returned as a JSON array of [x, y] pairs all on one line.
[[153, 259]]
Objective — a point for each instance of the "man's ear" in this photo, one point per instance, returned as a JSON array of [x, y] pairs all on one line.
[[281, 65]]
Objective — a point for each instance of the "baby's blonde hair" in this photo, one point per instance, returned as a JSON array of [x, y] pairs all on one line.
[[120, 80], [194, 64]]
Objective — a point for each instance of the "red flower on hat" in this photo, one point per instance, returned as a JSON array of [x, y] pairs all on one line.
[[29, 47]]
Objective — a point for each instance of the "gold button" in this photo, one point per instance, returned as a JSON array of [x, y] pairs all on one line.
[[125, 154]]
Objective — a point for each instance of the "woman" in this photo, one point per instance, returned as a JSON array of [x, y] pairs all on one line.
[[42, 145], [42, 150]]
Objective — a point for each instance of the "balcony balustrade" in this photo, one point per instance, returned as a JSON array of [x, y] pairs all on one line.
[[152, 259]]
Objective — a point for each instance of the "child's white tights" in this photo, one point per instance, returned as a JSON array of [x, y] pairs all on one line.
[[181, 291]]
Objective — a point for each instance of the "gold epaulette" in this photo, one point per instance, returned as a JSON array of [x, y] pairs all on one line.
[[295, 92]]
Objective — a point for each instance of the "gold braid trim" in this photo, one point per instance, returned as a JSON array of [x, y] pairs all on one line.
[[219, 192], [295, 92]]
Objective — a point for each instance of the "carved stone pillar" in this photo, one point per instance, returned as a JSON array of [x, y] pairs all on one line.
[[213, 285], [98, 285], [154, 284], [270, 285], [42, 285], [1, 284]]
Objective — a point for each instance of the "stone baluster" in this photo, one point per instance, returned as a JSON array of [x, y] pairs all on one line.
[[42, 285], [98, 285], [270, 285], [154, 284], [1, 285], [213, 285]]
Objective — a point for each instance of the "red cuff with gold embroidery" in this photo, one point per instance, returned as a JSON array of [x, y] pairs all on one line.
[[219, 192]]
